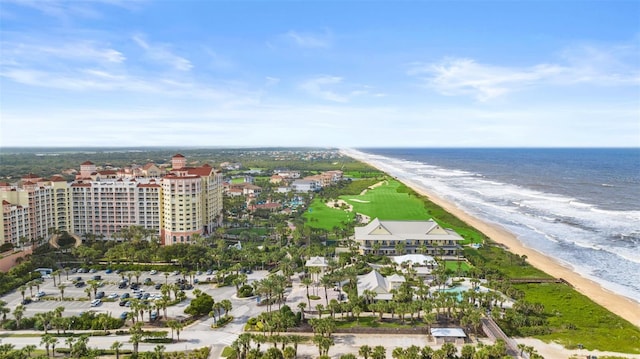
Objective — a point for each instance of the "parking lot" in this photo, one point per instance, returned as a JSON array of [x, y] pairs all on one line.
[[77, 301]]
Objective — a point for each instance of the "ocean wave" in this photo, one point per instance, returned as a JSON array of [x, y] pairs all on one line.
[[563, 227]]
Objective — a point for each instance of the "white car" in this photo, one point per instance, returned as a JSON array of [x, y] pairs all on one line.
[[95, 302], [113, 296], [154, 272]]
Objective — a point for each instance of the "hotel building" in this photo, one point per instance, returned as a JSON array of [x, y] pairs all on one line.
[[185, 202]]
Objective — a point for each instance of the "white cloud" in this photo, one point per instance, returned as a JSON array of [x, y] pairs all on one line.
[[484, 82], [614, 66], [161, 53], [333, 88], [67, 10], [24, 52], [309, 40], [271, 81], [318, 87]]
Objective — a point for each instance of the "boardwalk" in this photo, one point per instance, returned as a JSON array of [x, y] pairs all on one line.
[[493, 331], [539, 280]]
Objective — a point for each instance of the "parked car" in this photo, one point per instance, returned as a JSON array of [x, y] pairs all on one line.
[[125, 296], [97, 277], [123, 284], [79, 284], [158, 286], [92, 270], [41, 294], [100, 295], [95, 302], [113, 296], [147, 281], [154, 315], [122, 303], [153, 272], [26, 301], [123, 315], [108, 271]]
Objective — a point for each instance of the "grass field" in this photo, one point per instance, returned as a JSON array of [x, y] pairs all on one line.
[[576, 319], [387, 203], [453, 266], [319, 215], [384, 202]]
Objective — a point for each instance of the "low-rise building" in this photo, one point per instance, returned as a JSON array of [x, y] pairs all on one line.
[[400, 237]]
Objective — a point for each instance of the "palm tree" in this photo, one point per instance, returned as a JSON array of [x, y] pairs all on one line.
[[158, 350], [23, 290], [364, 351], [136, 337], [18, 313], [61, 287], [302, 306], [326, 281], [69, 341], [4, 310], [53, 342], [28, 349], [116, 346], [54, 274], [46, 341], [227, 306], [178, 327], [307, 282], [379, 352]]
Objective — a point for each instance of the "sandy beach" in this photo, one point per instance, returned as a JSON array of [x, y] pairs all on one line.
[[625, 308], [620, 305]]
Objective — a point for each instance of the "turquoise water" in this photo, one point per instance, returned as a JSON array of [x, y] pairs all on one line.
[[457, 289]]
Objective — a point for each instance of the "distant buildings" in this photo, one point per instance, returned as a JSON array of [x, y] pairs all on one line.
[[175, 206]]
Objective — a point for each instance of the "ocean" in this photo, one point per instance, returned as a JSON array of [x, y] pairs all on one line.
[[578, 206]]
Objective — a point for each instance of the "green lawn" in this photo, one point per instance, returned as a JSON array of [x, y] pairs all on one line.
[[384, 202], [372, 322], [319, 215], [387, 203], [453, 266], [391, 201], [576, 319]]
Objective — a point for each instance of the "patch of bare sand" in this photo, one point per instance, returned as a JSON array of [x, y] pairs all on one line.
[[373, 186], [555, 350]]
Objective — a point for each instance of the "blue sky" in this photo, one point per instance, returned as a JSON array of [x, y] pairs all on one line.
[[325, 73]]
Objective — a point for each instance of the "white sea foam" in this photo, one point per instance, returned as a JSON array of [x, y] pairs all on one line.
[[589, 239]]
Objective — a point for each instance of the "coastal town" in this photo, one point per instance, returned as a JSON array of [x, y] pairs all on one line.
[[307, 254]]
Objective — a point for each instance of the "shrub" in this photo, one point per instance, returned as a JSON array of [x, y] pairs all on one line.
[[245, 291]]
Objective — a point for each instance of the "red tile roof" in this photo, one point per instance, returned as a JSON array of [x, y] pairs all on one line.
[[86, 163], [199, 171], [177, 155], [56, 178]]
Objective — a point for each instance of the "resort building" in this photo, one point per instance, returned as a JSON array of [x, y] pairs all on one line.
[[383, 287], [407, 237], [185, 202]]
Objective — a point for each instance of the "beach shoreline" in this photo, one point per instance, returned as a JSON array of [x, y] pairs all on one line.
[[615, 303]]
